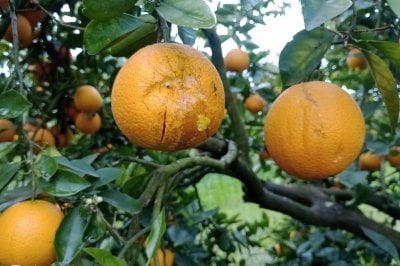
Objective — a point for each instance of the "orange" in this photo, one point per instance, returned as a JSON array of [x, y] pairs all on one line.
[[34, 16], [278, 249], [314, 130], [88, 123], [63, 135], [394, 157], [168, 97], [27, 233], [70, 110], [356, 59], [25, 35], [87, 99], [42, 137], [7, 130], [255, 103], [370, 162], [236, 60], [4, 4], [165, 257]]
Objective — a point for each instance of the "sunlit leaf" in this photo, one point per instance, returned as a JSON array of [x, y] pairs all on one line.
[[104, 257], [187, 13], [316, 12], [386, 84], [13, 104], [121, 201], [395, 6], [391, 50], [301, 56], [99, 34], [104, 9], [156, 233], [69, 237]]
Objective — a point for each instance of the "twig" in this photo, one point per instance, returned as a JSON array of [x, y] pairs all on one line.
[[15, 41], [383, 28], [111, 229], [132, 240]]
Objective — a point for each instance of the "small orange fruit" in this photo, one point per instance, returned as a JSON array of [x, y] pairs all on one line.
[[88, 123], [87, 99], [42, 137], [27, 233], [356, 59], [236, 60], [34, 16], [63, 135], [169, 97], [394, 157], [70, 110], [314, 130], [278, 249], [25, 35], [7, 130], [370, 162], [165, 257], [255, 103]]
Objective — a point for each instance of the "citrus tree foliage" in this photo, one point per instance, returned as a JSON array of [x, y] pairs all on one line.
[[211, 205]]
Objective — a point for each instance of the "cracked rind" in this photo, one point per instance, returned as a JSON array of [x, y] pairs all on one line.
[[160, 93]]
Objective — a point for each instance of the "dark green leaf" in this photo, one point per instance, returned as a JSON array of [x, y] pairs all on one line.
[[391, 50], [187, 13], [69, 236], [104, 257], [303, 54], [104, 9], [395, 6], [386, 84], [13, 104], [7, 171], [382, 242], [316, 12], [156, 233], [121, 201], [95, 229], [45, 166], [106, 175], [187, 35], [143, 35], [90, 158], [100, 34], [248, 5], [352, 178], [80, 167], [65, 183], [10, 197], [6, 147]]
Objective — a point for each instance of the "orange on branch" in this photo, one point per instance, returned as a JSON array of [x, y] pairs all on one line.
[[314, 130], [236, 60], [165, 257], [25, 35], [42, 138], [255, 103], [369, 161], [88, 123], [27, 233], [87, 99], [63, 136], [168, 97], [356, 59], [34, 16], [394, 157], [7, 130]]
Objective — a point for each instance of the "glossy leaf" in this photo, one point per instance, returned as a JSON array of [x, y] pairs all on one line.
[[395, 6], [6, 147], [104, 9], [69, 236], [104, 257], [80, 167], [100, 34], [316, 12], [95, 229], [391, 50], [7, 172], [156, 233], [187, 13], [386, 84], [301, 56], [121, 201], [381, 241], [13, 104], [65, 183], [106, 175], [10, 197], [45, 166]]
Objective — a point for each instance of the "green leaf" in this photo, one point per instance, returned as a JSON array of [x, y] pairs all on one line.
[[316, 12], [248, 5], [104, 9], [382, 242], [395, 6], [104, 257], [95, 229], [121, 201], [156, 233], [106, 175], [187, 13], [7, 172], [10, 197], [69, 236], [187, 35], [143, 35], [6, 147], [13, 104], [65, 183], [391, 50], [45, 166], [100, 34], [303, 54], [386, 84], [80, 167], [352, 178]]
